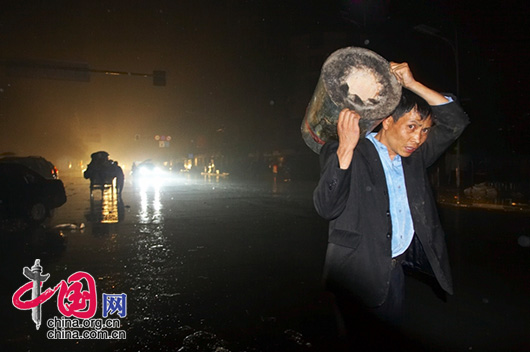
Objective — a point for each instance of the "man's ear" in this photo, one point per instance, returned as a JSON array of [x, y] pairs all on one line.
[[388, 122]]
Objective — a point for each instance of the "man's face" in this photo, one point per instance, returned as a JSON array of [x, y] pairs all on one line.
[[404, 136]]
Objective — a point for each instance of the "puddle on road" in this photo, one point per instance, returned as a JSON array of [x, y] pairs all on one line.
[[106, 207], [158, 304]]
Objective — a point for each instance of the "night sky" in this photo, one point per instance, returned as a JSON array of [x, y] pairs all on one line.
[[233, 73]]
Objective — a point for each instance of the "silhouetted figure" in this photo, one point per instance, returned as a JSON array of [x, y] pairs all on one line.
[[101, 171]]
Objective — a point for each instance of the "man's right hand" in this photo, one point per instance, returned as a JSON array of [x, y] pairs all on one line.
[[348, 132]]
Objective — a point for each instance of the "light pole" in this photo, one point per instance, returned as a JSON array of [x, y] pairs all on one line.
[[428, 30]]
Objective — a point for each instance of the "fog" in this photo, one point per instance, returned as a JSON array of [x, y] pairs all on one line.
[[237, 72], [203, 51]]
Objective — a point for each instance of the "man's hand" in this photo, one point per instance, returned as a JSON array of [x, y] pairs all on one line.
[[348, 132], [404, 76]]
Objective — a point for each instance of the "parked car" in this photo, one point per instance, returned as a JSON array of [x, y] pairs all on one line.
[[36, 163], [25, 193]]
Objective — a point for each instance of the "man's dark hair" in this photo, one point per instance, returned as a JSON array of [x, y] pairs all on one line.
[[410, 101]]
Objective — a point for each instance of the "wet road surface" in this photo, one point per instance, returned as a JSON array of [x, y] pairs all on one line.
[[219, 264]]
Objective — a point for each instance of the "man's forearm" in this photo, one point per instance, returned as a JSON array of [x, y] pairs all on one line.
[[345, 155], [432, 97]]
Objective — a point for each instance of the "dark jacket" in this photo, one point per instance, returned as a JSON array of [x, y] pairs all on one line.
[[358, 258]]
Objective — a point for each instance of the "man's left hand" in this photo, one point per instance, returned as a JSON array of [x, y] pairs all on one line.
[[403, 73], [405, 77]]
